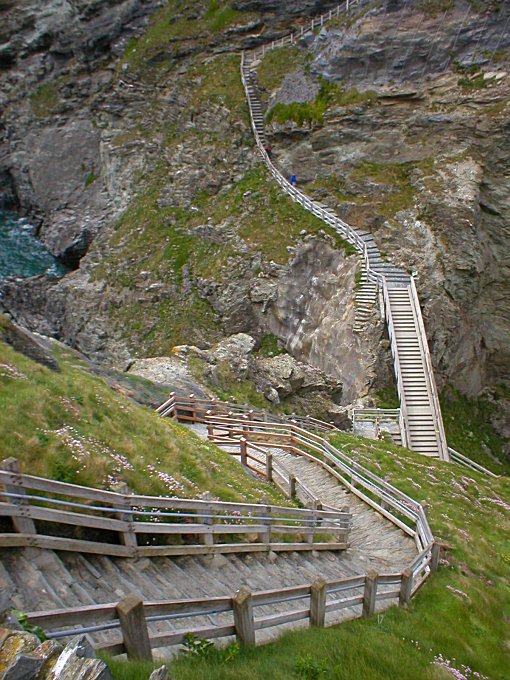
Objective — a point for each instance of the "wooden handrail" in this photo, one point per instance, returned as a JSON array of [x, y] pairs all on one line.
[[130, 516], [347, 232], [241, 605]]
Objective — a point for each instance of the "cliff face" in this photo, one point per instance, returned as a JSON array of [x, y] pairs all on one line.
[[138, 157], [422, 162]]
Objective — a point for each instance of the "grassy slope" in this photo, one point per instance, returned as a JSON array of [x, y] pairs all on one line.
[[462, 613], [73, 427]]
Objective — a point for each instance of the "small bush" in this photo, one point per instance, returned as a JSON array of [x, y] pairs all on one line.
[[308, 668]]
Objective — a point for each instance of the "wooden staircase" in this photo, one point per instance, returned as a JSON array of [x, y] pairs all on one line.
[[422, 425]]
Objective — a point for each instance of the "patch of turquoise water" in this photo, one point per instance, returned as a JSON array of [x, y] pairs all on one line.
[[21, 253]]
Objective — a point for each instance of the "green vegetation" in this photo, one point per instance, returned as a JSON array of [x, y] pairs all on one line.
[[312, 113], [227, 385], [270, 346], [276, 64], [387, 397], [73, 427], [44, 101], [434, 7], [468, 430], [477, 82], [459, 620], [397, 180], [90, 179], [176, 22]]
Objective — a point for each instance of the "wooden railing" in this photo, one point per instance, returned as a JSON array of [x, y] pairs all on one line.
[[429, 374], [347, 232], [250, 439], [315, 23], [195, 409], [235, 615], [459, 458], [402, 510], [127, 525]]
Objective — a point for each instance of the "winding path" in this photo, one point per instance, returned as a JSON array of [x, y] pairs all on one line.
[[421, 419]]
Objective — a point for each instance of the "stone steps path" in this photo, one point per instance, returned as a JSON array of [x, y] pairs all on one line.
[[37, 579]]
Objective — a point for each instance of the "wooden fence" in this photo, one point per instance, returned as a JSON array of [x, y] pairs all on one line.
[[192, 409], [251, 440], [234, 615], [127, 525]]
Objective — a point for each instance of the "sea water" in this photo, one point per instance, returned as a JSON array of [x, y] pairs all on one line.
[[21, 253]]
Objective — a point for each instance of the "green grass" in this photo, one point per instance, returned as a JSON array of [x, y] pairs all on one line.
[[73, 427], [468, 430], [177, 22], [329, 96], [387, 397], [477, 82], [90, 179], [44, 101], [398, 194], [276, 64], [461, 613]]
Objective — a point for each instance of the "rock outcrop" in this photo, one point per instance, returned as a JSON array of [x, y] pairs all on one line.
[[24, 657]]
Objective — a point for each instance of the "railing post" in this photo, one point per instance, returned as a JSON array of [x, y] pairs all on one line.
[[207, 539], [23, 524], [406, 587], [131, 615], [266, 509], [126, 537], [292, 485], [370, 593], [174, 410], [269, 467], [244, 451], [243, 616], [210, 429], [318, 603], [436, 554]]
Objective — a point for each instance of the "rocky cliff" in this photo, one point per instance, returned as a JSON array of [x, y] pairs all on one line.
[[129, 136]]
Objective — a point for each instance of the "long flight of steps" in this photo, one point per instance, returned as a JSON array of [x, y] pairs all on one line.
[[365, 300], [422, 421], [37, 579]]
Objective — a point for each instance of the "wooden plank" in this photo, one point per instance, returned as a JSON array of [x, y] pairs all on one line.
[[65, 489], [77, 519], [344, 603], [388, 595], [67, 544], [135, 635], [272, 596], [279, 619], [56, 618], [160, 528]]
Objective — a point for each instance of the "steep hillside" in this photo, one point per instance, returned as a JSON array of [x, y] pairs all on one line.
[[70, 425]]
